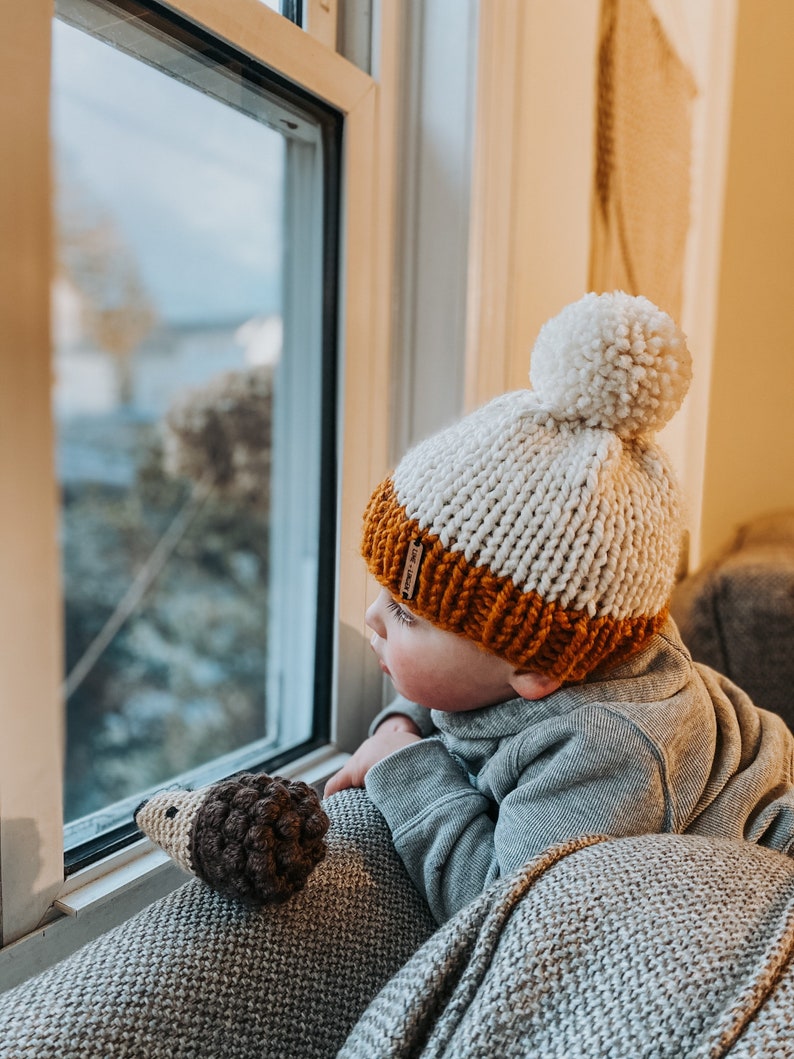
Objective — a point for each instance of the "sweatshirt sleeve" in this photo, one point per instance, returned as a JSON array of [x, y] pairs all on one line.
[[418, 714], [600, 775]]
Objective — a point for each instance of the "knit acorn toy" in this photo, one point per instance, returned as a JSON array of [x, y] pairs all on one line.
[[254, 837]]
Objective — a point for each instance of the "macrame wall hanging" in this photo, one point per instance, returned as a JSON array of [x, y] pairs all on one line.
[[641, 201]]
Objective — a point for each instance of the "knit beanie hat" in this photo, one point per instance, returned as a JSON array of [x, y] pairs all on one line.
[[546, 525]]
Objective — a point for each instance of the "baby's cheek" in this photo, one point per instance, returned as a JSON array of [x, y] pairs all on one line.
[[406, 670], [424, 684]]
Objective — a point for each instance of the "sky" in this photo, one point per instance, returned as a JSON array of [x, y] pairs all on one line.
[[193, 186]]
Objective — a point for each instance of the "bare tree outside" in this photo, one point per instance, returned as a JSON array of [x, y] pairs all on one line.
[[118, 315]]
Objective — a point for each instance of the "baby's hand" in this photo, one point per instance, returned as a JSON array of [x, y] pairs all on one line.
[[396, 732]]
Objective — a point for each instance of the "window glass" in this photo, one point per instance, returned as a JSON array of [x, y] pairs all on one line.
[[190, 386]]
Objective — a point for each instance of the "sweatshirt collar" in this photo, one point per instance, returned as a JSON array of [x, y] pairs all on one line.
[[659, 671]]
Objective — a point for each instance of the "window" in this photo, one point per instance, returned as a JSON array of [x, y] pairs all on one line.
[[291, 119], [194, 336]]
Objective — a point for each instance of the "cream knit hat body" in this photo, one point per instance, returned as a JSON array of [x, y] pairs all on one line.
[[546, 525]]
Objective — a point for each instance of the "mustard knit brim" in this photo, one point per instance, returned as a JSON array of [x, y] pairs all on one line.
[[456, 595]]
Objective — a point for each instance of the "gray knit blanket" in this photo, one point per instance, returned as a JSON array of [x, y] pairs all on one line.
[[623, 948], [657, 946]]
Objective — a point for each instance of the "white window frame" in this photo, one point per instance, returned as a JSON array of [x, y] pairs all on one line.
[[41, 917]]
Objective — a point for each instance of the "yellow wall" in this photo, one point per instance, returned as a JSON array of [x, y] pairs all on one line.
[[749, 464]]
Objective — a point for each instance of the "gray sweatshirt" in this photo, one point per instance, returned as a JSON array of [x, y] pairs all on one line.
[[657, 744]]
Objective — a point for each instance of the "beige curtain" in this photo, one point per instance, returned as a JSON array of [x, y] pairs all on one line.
[[640, 214]]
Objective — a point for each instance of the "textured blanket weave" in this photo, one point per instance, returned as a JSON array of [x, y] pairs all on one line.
[[661, 946], [199, 976]]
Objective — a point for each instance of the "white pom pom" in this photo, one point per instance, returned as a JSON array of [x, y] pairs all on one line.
[[613, 361]]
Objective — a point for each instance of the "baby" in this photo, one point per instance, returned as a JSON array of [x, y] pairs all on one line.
[[526, 557]]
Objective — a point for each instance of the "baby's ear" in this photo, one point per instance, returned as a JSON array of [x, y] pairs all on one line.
[[533, 685]]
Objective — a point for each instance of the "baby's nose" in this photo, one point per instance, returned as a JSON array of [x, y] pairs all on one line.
[[374, 620]]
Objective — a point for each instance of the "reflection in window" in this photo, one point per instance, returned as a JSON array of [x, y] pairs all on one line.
[[168, 321]]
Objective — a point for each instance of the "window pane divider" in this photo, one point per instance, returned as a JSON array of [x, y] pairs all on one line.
[[260, 32]]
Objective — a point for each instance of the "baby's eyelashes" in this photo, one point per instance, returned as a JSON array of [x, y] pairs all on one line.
[[400, 613]]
